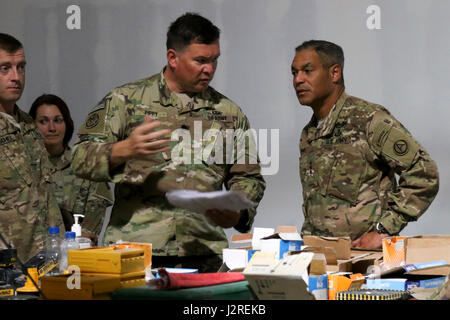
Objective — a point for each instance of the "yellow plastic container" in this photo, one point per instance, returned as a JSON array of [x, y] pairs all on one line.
[[92, 287], [107, 260], [147, 247], [127, 280]]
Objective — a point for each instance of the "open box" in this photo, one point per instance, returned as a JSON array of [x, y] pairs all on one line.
[[412, 250], [422, 275], [285, 240], [243, 246], [274, 279]]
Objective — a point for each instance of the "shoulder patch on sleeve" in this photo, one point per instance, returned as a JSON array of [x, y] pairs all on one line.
[[381, 133], [390, 139], [400, 146], [94, 122]]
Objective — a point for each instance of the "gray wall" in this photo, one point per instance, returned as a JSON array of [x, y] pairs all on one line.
[[403, 66]]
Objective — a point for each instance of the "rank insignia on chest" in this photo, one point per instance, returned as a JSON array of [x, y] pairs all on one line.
[[216, 117], [153, 114], [7, 139]]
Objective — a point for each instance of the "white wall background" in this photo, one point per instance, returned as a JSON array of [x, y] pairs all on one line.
[[404, 66]]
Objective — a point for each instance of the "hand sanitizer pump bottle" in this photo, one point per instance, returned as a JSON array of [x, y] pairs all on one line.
[[76, 227]]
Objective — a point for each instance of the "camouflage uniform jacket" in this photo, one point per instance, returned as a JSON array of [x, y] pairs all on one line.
[[79, 196], [347, 168], [27, 207], [141, 211]]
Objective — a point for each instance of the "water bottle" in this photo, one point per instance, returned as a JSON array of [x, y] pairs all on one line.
[[68, 243], [52, 249]]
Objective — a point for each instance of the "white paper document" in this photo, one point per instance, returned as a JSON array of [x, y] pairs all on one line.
[[201, 201]]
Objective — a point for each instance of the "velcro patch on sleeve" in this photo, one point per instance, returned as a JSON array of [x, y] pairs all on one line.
[[94, 122], [400, 146]]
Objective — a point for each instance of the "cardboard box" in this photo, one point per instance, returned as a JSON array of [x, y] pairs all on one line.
[[393, 251], [243, 246], [360, 262], [285, 240], [274, 279], [258, 234], [411, 250], [440, 293], [318, 286], [424, 275], [403, 284], [334, 248], [343, 281], [237, 258], [427, 248], [317, 279]]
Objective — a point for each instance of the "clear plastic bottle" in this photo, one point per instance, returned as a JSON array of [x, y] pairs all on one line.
[[68, 243], [52, 249]]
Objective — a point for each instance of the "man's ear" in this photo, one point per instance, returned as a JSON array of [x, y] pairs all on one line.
[[172, 58], [336, 73]]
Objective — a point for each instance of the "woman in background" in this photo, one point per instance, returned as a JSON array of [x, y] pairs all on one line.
[[74, 195]]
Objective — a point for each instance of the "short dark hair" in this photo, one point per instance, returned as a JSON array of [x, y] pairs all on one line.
[[329, 53], [9, 43], [52, 99], [191, 27]]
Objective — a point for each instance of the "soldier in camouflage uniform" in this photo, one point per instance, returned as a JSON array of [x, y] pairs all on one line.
[[27, 208], [120, 143], [74, 195], [350, 152]]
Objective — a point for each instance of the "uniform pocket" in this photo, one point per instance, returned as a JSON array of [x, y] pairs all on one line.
[[347, 171], [14, 173], [316, 168]]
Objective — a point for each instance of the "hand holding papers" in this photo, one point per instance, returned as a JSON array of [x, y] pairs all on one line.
[[200, 202]]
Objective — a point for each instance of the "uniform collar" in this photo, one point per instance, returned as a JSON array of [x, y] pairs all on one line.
[[16, 120], [327, 126], [62, 161], [169, 98]]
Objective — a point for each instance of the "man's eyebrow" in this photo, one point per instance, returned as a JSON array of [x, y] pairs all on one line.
[[208, 56], [308, 64]]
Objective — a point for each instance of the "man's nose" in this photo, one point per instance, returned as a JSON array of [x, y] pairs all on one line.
[[15, 74], [298, 79], [208, 68]]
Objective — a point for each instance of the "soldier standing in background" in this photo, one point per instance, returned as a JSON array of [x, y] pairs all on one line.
[[350, 152], [74, 195], [27, 208], [121, 143]]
